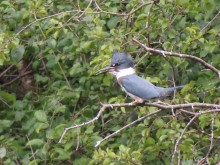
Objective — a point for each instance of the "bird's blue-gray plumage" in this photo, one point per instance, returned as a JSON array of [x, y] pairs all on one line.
[[142, 88], [121, 60]]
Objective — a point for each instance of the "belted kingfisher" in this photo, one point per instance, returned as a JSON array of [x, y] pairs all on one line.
[[139, 89]]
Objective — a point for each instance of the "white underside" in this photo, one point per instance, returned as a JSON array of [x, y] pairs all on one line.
[[136, 98], [124, 72], [129, 94]]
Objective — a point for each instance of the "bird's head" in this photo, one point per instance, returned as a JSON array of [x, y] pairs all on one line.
[[119, 61]]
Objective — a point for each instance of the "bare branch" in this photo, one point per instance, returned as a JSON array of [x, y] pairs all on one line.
[[180, 106], [144, 4], [82, 12], [6, 70], [4, 101], [85, 123], [180, 55], [32, 151], [215, 107], [90, 2], [176, 149], [210, 22], [126, 126], [147, 26], [19, 76], [77, 142], [202, 161], [211, 137]]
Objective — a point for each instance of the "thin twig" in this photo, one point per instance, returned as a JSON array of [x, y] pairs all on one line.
[[82, 12], [202, 161], [82, 124], [64, 75], [139, 7], [210, 22], [77, 142], [90, 2], [2, 99], [215, 107], [63, 13], [8, 68], [180, 55], [22, 75], [33, 155], [147, 26], [188, 105], [176, 149], [211, 137], [126, 126]]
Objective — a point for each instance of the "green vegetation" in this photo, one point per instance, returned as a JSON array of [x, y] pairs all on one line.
[[49, 53]]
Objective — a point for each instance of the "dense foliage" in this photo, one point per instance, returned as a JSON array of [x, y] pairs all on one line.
[[49, 53]]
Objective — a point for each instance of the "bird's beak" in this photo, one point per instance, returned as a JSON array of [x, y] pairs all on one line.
[[106, 69]]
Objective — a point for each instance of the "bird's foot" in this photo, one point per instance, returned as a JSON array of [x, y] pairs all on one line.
[[131, 104], [135, 102], [111, 106]]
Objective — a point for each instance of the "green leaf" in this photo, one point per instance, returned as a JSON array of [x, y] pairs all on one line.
[[1, 62], [89, 129], [19, 115], [5, 124], [51, 134], [112, 23], [60, 109], [2, 152], [41, 116], [159, 122], [40, 126], [34, 162], [35, 142], [52, 43], [162, 138], [82, 160], [124, 149], [19, 105], [10, 97], [88, 18], [107, 161], [136, 154], [62, 154], [150, 141], [17, 53], [51, 61], [39, 78], [107, 80], [88, 113]]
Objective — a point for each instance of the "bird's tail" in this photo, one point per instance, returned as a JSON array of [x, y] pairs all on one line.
[[177, 87], [167, 91]]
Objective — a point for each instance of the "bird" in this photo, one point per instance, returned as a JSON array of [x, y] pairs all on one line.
[[139, 89]]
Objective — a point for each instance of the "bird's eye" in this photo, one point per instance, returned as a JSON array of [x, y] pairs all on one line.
[[116, 64]]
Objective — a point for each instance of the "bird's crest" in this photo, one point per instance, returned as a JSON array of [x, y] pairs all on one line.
[[122, 58]]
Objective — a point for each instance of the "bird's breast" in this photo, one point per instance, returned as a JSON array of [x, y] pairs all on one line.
[[124, 89]]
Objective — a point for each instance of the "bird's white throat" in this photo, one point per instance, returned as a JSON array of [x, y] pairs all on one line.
[[124, 72]]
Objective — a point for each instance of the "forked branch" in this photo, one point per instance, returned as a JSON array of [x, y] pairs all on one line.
[[160, 105], [180, 55]]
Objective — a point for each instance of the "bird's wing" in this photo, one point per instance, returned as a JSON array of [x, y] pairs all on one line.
[[139, 87]]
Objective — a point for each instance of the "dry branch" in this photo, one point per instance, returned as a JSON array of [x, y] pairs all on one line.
[[180, 55], [81, 13], [161, 105], [210, 22], [126, 126], [176, 147]]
